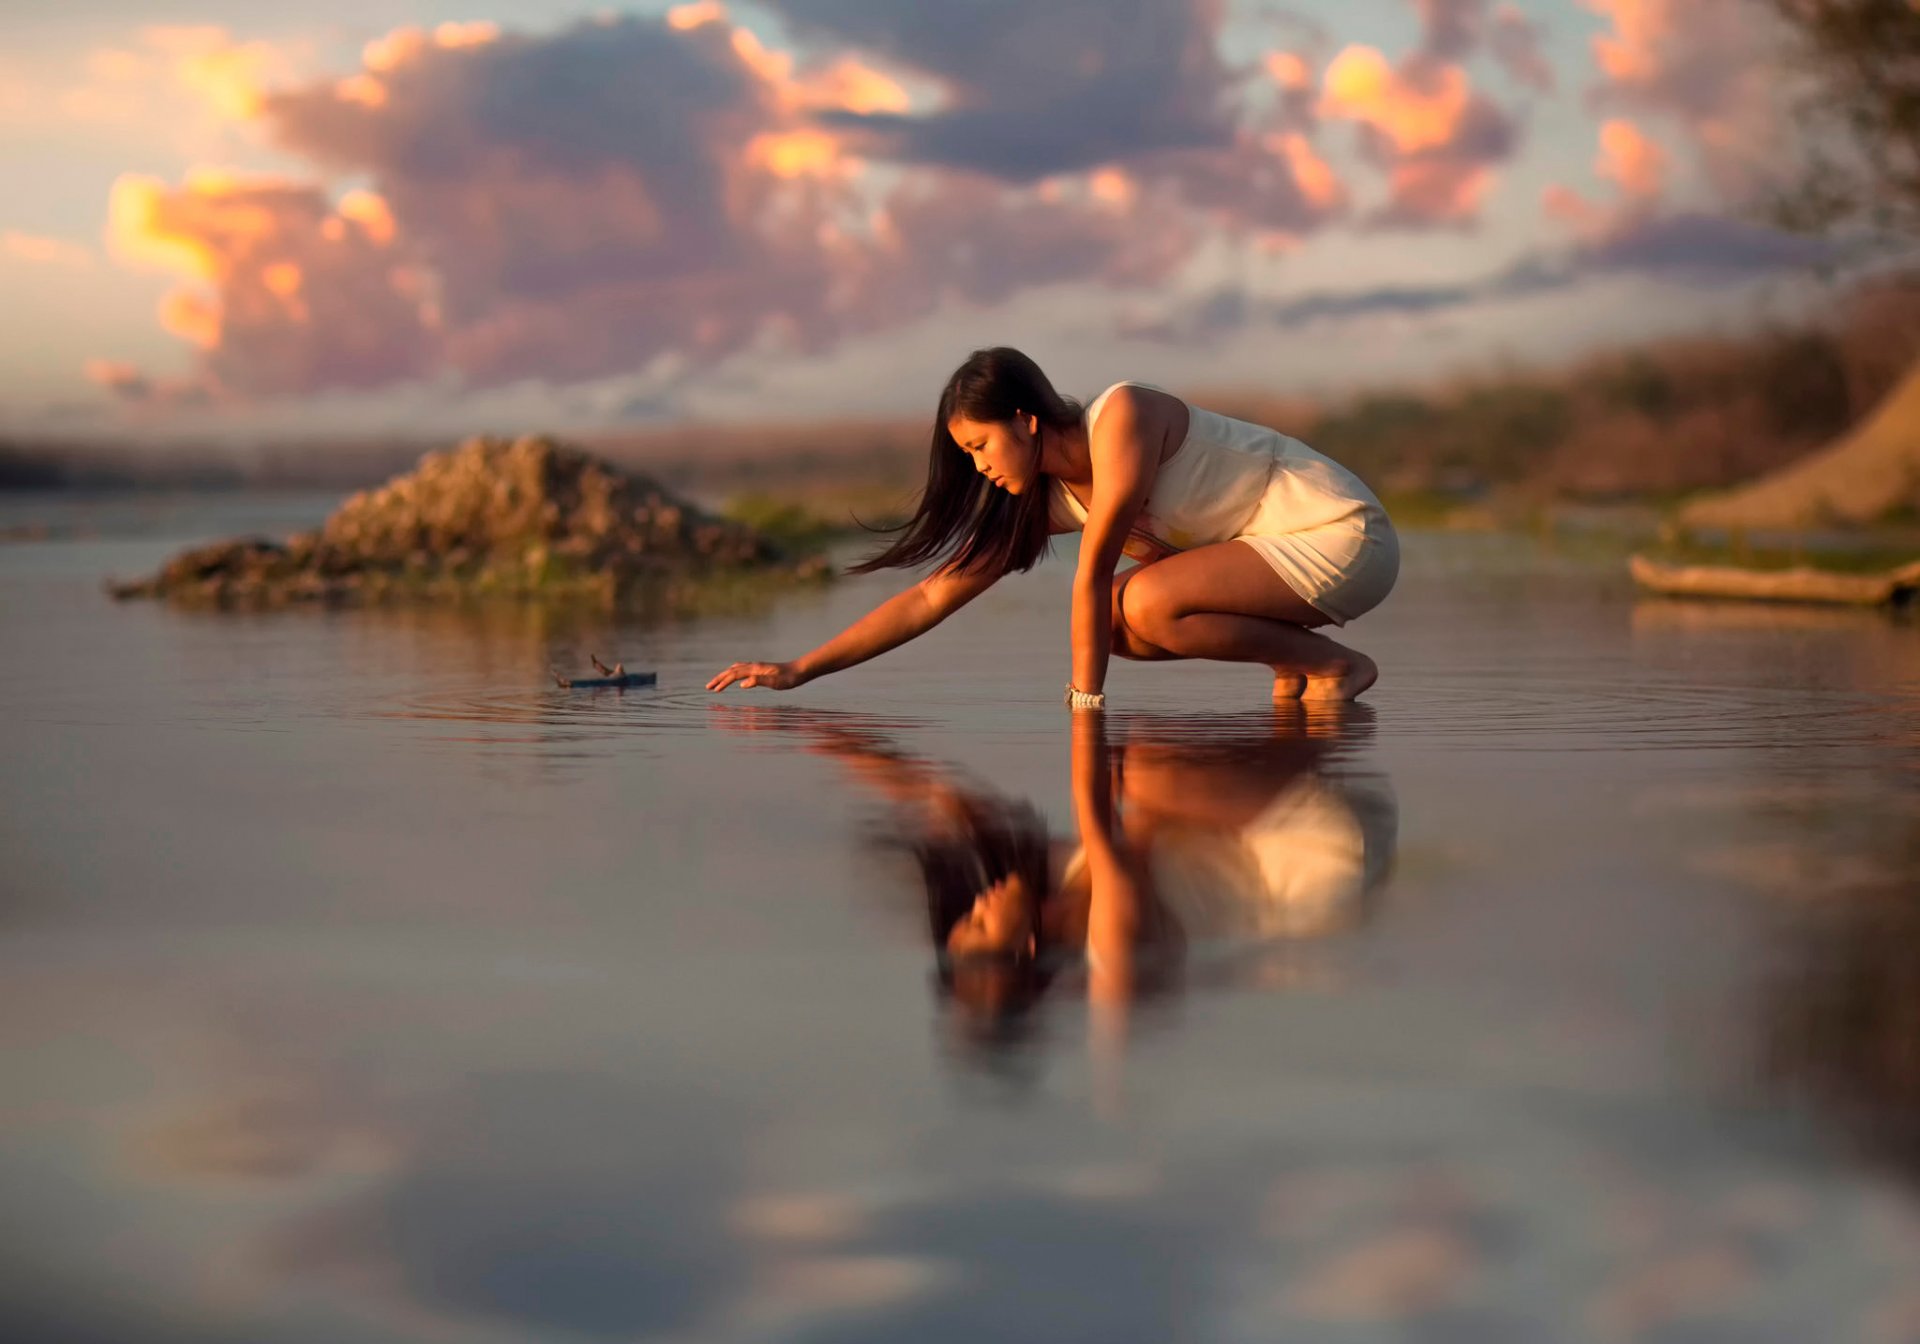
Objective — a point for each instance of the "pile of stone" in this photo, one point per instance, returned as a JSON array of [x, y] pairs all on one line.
[[527, 517]]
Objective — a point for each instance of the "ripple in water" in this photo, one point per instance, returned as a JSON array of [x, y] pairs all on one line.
[[1626, 714]]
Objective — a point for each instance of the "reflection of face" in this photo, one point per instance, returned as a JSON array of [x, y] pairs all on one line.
[[1004, 451], [1001, 921]]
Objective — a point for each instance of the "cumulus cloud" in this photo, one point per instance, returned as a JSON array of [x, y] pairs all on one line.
[[1702, 64], [1515, 44], [1451, 28], [283, 290], [1634, 164], [130, 386], [121, 379], [574, 205], [1695, 69], [1438, 139], [1028, 91], [201, 69]]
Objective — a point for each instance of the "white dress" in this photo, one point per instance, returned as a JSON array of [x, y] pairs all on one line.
[[1311, 519]]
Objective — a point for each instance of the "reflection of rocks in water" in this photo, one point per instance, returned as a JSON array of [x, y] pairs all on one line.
[[526, 518]]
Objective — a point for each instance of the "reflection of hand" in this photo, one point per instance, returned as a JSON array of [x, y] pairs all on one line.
[[866, 752], [774, 676]]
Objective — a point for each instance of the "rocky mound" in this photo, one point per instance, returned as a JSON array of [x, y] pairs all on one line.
[[527, 517], [1869, 475]]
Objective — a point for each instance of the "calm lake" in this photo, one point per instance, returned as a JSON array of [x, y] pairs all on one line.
[[359, 985]]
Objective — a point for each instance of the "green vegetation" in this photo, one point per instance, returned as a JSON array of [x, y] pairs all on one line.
[[1874, 555], [807, 522]]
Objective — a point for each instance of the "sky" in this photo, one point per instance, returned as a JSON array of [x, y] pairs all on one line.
[[360, 217]]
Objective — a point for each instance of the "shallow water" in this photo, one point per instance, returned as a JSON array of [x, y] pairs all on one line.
[[359, 985]]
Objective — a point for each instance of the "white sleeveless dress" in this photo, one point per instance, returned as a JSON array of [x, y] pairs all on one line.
[[1316, 523]]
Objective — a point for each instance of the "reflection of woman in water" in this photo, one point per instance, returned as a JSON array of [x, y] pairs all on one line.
[[1195, 855], [1247, 539]]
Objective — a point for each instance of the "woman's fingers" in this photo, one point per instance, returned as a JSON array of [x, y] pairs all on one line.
[[745, 675]]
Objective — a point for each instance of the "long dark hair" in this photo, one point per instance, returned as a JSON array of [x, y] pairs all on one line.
[[963, 521], [993, 838]]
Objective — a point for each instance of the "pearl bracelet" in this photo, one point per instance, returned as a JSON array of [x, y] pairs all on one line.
[[1086, 699]]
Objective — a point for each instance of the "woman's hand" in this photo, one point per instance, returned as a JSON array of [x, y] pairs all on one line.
[[774, 676]]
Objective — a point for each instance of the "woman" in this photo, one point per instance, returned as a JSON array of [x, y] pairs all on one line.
[[1246, 539]]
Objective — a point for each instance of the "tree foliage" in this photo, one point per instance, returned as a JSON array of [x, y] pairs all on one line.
[[1855, 67]]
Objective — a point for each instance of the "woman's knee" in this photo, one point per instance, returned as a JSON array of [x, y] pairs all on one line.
[[1147, 608], [1127, 642]]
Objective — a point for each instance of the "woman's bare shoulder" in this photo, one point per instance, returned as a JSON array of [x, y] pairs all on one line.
[[1148, 414]]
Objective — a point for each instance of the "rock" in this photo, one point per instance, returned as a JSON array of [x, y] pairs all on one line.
[[1866, 476], [528, 517]]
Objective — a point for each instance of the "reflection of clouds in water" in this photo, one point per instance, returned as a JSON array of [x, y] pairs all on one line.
[[1827, 845], [1274, 1238], [255, 1138], [559, 1201], [531, 1203]]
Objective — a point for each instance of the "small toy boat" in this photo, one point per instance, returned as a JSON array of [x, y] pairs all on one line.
[[616, 678]]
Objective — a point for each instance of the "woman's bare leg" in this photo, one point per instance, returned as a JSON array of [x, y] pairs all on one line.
[[1225, 602], [1127, 642]]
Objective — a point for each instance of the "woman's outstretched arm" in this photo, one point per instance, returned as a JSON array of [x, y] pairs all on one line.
[[1125, 452], [900, 618]]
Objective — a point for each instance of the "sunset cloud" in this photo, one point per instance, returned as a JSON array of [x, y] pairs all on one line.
[[1439, 141], [122, 379], [573, 205], [1451, 28], [282, 291], [39, 250], [1515, 44], [1629, 159], [202, 66], [1638, 169], [127, 384], [1702, 65], [474, 207]]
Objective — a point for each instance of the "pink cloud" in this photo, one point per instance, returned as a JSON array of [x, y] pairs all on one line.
[[574, 205], [39, 250], [1703, 65], [1515, 44]]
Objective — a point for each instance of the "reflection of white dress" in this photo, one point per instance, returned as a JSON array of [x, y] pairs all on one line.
[[1297, 870]]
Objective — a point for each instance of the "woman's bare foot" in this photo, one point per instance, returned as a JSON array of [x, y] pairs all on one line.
[[1361, 673], [1288, 685]]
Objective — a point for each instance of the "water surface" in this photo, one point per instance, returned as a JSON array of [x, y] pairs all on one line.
[[360, 985]]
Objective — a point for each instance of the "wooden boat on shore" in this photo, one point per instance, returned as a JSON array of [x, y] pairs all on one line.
[[1801, 584]]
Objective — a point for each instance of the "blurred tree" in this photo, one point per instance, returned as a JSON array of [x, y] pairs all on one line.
[[1858, 104]]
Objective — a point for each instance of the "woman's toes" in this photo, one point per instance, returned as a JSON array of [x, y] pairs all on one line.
[[1288, 685], [1361, 673]]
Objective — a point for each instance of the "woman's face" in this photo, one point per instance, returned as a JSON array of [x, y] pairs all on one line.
[[1000, 922], [1004, 451]]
